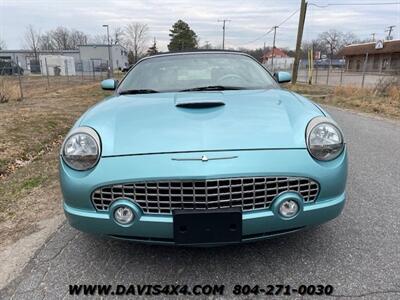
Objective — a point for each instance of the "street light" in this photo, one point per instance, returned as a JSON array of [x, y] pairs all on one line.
[[110, 66]]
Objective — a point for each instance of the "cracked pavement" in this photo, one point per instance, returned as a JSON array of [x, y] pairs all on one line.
[[357, 253]]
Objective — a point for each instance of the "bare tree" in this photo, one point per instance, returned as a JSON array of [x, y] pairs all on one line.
[[77, 38], [135, 37], [46, 42], [32, 37], [332, 40], [99, 39], [2, 44], [315, 45], [61, 38], [117, 36], [349, 38]]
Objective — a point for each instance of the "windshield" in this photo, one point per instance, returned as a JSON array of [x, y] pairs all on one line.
[[197, 71]]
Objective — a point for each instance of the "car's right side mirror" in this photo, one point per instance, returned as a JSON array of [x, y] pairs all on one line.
[[283, 77], [109, 84]]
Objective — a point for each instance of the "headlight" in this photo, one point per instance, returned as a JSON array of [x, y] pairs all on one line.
[[324, 139], [81, 149]]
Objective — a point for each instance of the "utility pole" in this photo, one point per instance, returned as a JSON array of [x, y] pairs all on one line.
[[373, 36], [273, 49], [389, 30], [300, 29], [223, 31], [110, 66]]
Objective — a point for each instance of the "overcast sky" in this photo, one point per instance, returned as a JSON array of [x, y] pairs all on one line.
[[250, 19]]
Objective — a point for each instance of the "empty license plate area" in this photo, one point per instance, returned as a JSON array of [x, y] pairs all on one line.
[[207, 226]]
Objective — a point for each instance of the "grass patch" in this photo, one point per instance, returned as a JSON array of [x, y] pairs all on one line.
[[31, 126], [385, 102], [31, 183], [9, 91], [30, 133]]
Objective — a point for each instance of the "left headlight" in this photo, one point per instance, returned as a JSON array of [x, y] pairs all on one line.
[[324, 139], [81, 149]]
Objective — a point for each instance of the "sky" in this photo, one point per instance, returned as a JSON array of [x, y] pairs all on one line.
[[251, 20]]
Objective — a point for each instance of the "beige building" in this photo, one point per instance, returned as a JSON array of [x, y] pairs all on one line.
[[380, 56]]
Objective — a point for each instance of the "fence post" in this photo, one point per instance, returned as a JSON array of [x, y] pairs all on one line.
[[364, 70], [19, 80], [47, 72], [316, 75], [66, 69], [341, 76], [327, 75], [82, 68], [94, 74]]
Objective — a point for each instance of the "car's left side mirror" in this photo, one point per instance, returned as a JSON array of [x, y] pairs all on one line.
[[282, 77], [109, 84]]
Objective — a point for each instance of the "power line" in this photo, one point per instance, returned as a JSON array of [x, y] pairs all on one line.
[[353, 4], [287, 19], [271, 29]]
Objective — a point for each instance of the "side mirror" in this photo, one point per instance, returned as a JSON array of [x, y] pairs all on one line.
[[109, 84], [282, 77]]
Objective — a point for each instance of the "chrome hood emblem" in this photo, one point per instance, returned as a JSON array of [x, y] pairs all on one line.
[[204, 158]]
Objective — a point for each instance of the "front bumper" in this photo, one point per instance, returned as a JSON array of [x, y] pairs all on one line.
[[153, 228]]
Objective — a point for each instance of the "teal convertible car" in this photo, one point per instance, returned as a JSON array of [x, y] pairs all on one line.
[[202, 148]]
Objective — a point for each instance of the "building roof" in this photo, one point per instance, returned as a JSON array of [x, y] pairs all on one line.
[[360, 49], [277, 53], [102, 45], [39, 51]]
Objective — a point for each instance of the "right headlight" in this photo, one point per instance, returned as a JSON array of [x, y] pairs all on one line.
[[324, 139], [81, 149]]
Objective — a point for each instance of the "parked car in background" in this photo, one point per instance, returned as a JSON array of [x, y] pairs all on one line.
[[202, 148], [8, 67], [126, 68]]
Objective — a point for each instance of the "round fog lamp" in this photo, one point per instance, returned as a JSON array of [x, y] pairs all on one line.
[[124, 215], [289, 208]]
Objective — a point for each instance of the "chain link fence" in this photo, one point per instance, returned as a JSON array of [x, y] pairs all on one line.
[[49, 73], [338, 75]]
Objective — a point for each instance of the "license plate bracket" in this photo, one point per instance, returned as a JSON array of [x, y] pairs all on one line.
[[193, 227]]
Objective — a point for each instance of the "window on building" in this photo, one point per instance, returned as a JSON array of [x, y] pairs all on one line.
[[385, 63], [395, 61], [376, 62], [358, 65]]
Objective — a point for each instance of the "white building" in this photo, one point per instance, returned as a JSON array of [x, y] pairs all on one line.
[[86, 58], [27, 61], [280, 63], [99, 53], [57, 65]]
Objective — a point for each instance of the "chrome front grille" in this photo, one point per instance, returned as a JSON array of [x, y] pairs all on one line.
[[162, 197]]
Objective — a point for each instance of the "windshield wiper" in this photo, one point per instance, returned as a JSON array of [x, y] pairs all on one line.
[[140, 91], [213, 88]]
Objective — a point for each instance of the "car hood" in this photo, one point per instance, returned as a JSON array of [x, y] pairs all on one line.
[[159, 123]]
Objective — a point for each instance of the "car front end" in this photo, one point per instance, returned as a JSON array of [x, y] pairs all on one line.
[[202, 168]]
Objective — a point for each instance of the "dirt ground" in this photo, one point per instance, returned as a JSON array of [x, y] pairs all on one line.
[[31, 132]]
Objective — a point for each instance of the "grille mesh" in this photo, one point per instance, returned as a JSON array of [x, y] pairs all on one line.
[[162, 197]]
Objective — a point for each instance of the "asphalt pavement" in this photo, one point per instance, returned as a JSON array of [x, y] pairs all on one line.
[[357, 253]]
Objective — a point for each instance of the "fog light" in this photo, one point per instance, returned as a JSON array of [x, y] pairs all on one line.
[[289, 208], [124, 215]]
